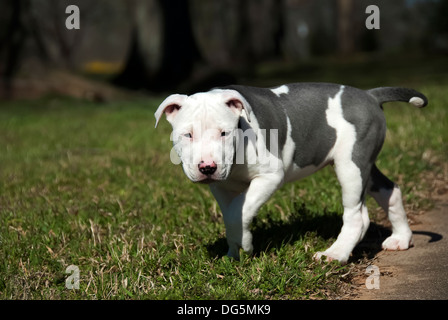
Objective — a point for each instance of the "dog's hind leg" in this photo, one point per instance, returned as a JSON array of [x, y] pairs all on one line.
[[388, 195]]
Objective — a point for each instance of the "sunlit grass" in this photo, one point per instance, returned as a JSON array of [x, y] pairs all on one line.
[[93, 186]]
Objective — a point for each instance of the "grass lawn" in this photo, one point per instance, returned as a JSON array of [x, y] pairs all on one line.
[[92, 185]]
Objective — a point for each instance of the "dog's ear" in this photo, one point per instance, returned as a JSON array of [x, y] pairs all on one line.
[[236, 102], [170, 106], [235, 105]]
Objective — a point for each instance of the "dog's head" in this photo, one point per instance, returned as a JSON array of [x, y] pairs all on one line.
[[205, 131]]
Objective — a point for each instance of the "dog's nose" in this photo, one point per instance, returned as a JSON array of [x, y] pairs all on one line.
[[207, 168]]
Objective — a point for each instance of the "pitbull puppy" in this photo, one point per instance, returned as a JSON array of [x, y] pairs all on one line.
[[246, 142]]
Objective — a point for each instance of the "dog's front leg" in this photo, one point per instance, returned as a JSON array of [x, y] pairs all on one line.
[[239, 211]]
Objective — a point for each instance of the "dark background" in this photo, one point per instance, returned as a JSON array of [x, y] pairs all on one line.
[[160, 46]]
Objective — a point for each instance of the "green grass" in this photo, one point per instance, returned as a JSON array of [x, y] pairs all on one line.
[[92, 185]]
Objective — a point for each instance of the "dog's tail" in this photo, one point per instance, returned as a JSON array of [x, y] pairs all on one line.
[[388, 94]]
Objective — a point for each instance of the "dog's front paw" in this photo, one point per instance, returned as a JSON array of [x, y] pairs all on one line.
[[331, 256], [397, 242]]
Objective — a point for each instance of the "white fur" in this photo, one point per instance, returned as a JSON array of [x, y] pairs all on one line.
[[392, 203], [417, 102], [205, 124], [247, 188], [281, 90], [342, 151], [355, 216]]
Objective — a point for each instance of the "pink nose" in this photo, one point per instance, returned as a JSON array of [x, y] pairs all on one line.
[[207, 168]]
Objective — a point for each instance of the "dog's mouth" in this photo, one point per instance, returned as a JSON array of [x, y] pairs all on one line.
[[207, 180]]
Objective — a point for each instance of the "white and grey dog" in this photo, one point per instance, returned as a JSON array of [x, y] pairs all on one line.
[[246, 142]]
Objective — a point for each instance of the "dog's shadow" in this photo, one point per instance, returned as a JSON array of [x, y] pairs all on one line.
[[269, 234]]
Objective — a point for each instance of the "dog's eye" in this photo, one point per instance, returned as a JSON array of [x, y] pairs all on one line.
[[188, 135], [225, 133]]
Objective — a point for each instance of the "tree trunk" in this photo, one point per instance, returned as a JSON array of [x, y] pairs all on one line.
[[163, 50], [345, 27], [11, 44]]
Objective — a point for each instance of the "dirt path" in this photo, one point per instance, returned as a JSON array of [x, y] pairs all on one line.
[[420, 273]]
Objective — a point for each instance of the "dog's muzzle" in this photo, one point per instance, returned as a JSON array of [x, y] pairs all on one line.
[[207, 168]]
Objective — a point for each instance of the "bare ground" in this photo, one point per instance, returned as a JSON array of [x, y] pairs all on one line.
[[420, 273]]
